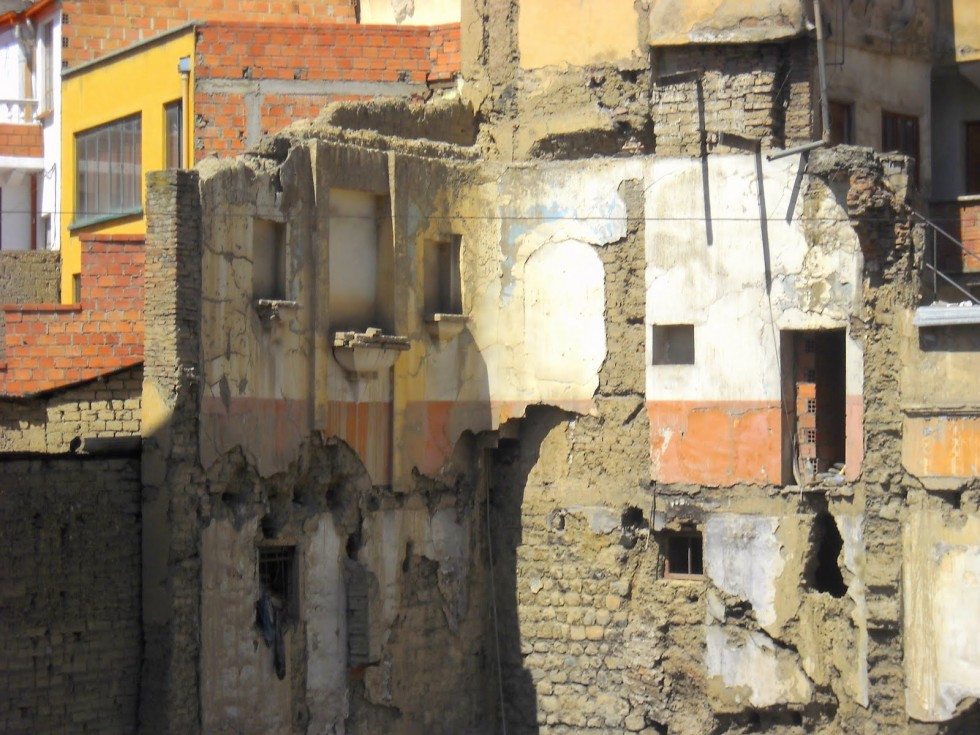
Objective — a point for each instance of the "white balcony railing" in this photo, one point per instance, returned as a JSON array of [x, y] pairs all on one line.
[[17, 111]]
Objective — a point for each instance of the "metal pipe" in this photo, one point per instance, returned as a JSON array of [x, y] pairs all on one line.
[[184, 68], [812, 145], [822, 72], [824, 104]]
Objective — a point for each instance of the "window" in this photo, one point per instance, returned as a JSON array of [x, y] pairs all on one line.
[[973, 157], [901, 133], [684, 554], [109, 171], [841, 123], [278, 604], [442, 280], [673, 344], [46, 71], [173, 130], [268, 260]]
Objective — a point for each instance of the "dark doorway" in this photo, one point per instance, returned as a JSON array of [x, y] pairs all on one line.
[[814, 389]]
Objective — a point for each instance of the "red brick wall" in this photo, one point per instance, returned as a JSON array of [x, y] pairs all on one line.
[[94, 28], [962, 221], [350, 53], [53, 345], [21, 140]]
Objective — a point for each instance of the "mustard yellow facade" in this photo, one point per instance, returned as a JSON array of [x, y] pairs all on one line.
[[138, 83], [966, 30]]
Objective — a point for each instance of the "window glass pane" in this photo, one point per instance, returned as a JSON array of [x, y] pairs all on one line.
[[108, 169], [173, 115]]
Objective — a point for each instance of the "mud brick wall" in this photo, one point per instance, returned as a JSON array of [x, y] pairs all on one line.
[[70, 610], [107, 407], [27, 277], [761, 92]]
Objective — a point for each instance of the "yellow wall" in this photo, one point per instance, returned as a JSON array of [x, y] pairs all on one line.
[[966, 29], [553, 32], [140, 81]]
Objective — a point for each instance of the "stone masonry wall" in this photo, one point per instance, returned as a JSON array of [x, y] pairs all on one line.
[[70, 615]]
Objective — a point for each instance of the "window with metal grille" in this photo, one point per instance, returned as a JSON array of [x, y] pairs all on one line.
[[108, 171], [901, 133], [684, 555], [277, 576]]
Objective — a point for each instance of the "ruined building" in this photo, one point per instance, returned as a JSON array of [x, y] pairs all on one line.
[[599, 393]]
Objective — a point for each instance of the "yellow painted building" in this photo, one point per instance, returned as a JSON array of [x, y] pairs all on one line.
[[123, 115]]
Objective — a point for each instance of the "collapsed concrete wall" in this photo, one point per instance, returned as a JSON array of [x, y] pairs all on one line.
[[357, 434]]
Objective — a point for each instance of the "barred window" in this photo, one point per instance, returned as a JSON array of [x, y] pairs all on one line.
[[109, 170]]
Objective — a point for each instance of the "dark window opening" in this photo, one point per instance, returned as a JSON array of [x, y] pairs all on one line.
[[268, 260], [973, 157], [901, 133], [174, 134], [841, 123], [827, 576], [684, 555], [277, 576], [358, 628], [443, 293], [672, 344], [278, 602]]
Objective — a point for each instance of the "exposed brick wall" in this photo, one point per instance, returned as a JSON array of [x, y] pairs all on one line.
[[70, 611], [52, 345], [444, 52], [285, 73], [170, 701], [21, 140], [92, 29], [105, 407], [962, 221], [761, 92]]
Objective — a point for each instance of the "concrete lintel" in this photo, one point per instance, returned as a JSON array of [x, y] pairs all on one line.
[[21, 163], [943, 316], [305, 87]]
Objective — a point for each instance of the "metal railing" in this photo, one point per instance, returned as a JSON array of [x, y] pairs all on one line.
[[18, 111], [935, 233]]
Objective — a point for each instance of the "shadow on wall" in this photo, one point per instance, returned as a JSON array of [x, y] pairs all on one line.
[[511, 462]]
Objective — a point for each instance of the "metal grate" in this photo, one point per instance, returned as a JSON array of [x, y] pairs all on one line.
[[276, 574]]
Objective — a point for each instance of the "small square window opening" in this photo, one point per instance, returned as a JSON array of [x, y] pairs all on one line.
[[672, 344], [269, 260], [442, 286], [684, 555]]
